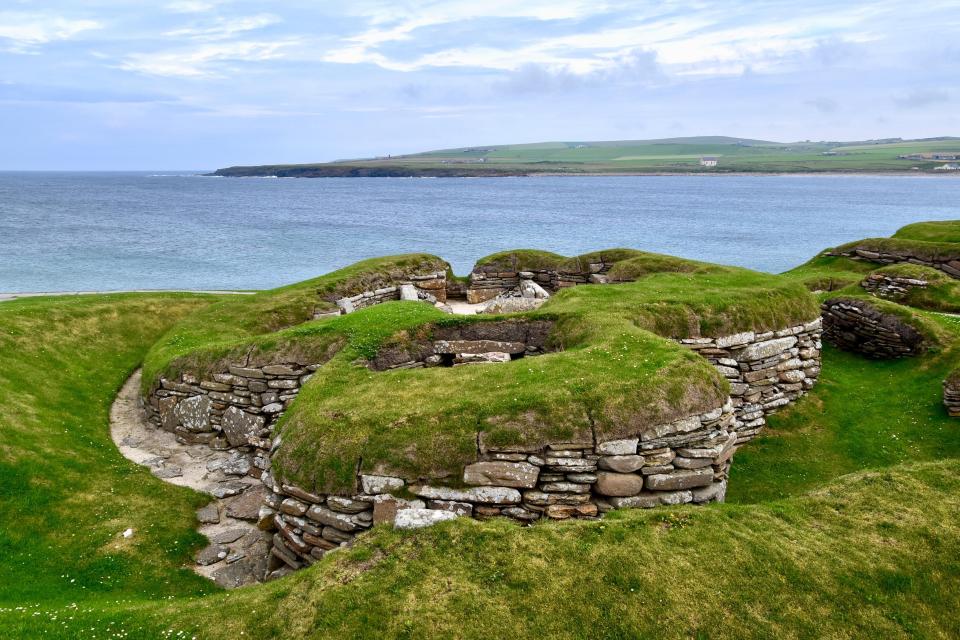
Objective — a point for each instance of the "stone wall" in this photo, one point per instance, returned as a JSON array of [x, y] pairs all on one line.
[[685, 461], [891, 287], [235, 409], [951, 396], [429, 287], [766, 370], [949, 263], [488, 282], [856, 325]]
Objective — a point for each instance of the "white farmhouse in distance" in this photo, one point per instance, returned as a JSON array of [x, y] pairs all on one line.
[[708, 161]]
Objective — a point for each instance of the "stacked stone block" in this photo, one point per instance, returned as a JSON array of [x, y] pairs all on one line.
[[766, 370], [233, 409], [856, 325], [429, 287], [683, 461], [948, 262], [891, 287], [951, 396], [487, 283]]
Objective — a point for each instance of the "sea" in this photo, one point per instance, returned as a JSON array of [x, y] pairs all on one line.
[[179, 230]]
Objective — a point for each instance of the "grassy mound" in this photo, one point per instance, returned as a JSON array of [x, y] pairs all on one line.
[[614, 371], [830, 273], [221, 332], [936, 231], [868, 555]]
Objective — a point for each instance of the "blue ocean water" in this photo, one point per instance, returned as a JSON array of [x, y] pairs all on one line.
[[109, 231]]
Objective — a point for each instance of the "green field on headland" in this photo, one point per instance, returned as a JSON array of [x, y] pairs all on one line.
[[671, 155], [842, 518]]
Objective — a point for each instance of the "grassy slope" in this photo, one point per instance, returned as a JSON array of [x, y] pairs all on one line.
[[203, 339], [613, 374], [65, 491], [829, 564], [672, 155]]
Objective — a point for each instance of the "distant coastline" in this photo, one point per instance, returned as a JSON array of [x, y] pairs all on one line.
[[704, 155], [348, 172]]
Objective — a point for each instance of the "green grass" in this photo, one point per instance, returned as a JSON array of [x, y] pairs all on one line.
[[206, 339], [936, 231], [798, 552], [615, 369], [66, 494]]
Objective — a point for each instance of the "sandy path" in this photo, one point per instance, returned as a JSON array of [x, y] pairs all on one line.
[[238, 551]]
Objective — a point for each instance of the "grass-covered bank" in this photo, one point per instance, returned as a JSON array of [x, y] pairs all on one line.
[[872, 555], [801, 550], [66, 493]]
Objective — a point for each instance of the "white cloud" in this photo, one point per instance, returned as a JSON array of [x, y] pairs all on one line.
[[29, 30], [192, 6], [223, 29], [205, 60]]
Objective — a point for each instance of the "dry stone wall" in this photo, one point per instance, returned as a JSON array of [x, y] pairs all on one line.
[[766, 370], [235, 409], [856, 325], [428, 287], [891, 287], [488, 282], [685, 461], [951, 396], [947, 262]]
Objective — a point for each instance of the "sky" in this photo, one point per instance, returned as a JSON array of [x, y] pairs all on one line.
[[201, 84]]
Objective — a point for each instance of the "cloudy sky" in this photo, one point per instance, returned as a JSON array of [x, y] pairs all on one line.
[[194, 84]]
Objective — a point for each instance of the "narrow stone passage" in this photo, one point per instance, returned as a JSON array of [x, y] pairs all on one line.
[[238, 551]]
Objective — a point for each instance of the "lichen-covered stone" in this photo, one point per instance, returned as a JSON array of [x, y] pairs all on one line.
[[521, 475]]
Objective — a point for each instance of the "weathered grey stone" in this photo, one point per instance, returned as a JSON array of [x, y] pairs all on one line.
[[459, 508], [716, 491], [621, 464], [380, 484], [386, 507], [209, 514], [511, 305], [566, 487], [212, 554], [735, 340], [238, 425], [478, 346], [293, 507], [332, 518], [642, 500], [420, 518], [618, 447], [683, 425], [521, 475], [691, 463], [483, 495], [194, 413], [767, 348], [618, 484], [246, 372], [227, 489], [346, 505], [408, 292], [228, 536], [281, 370], [685, 479], [675, 497]]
